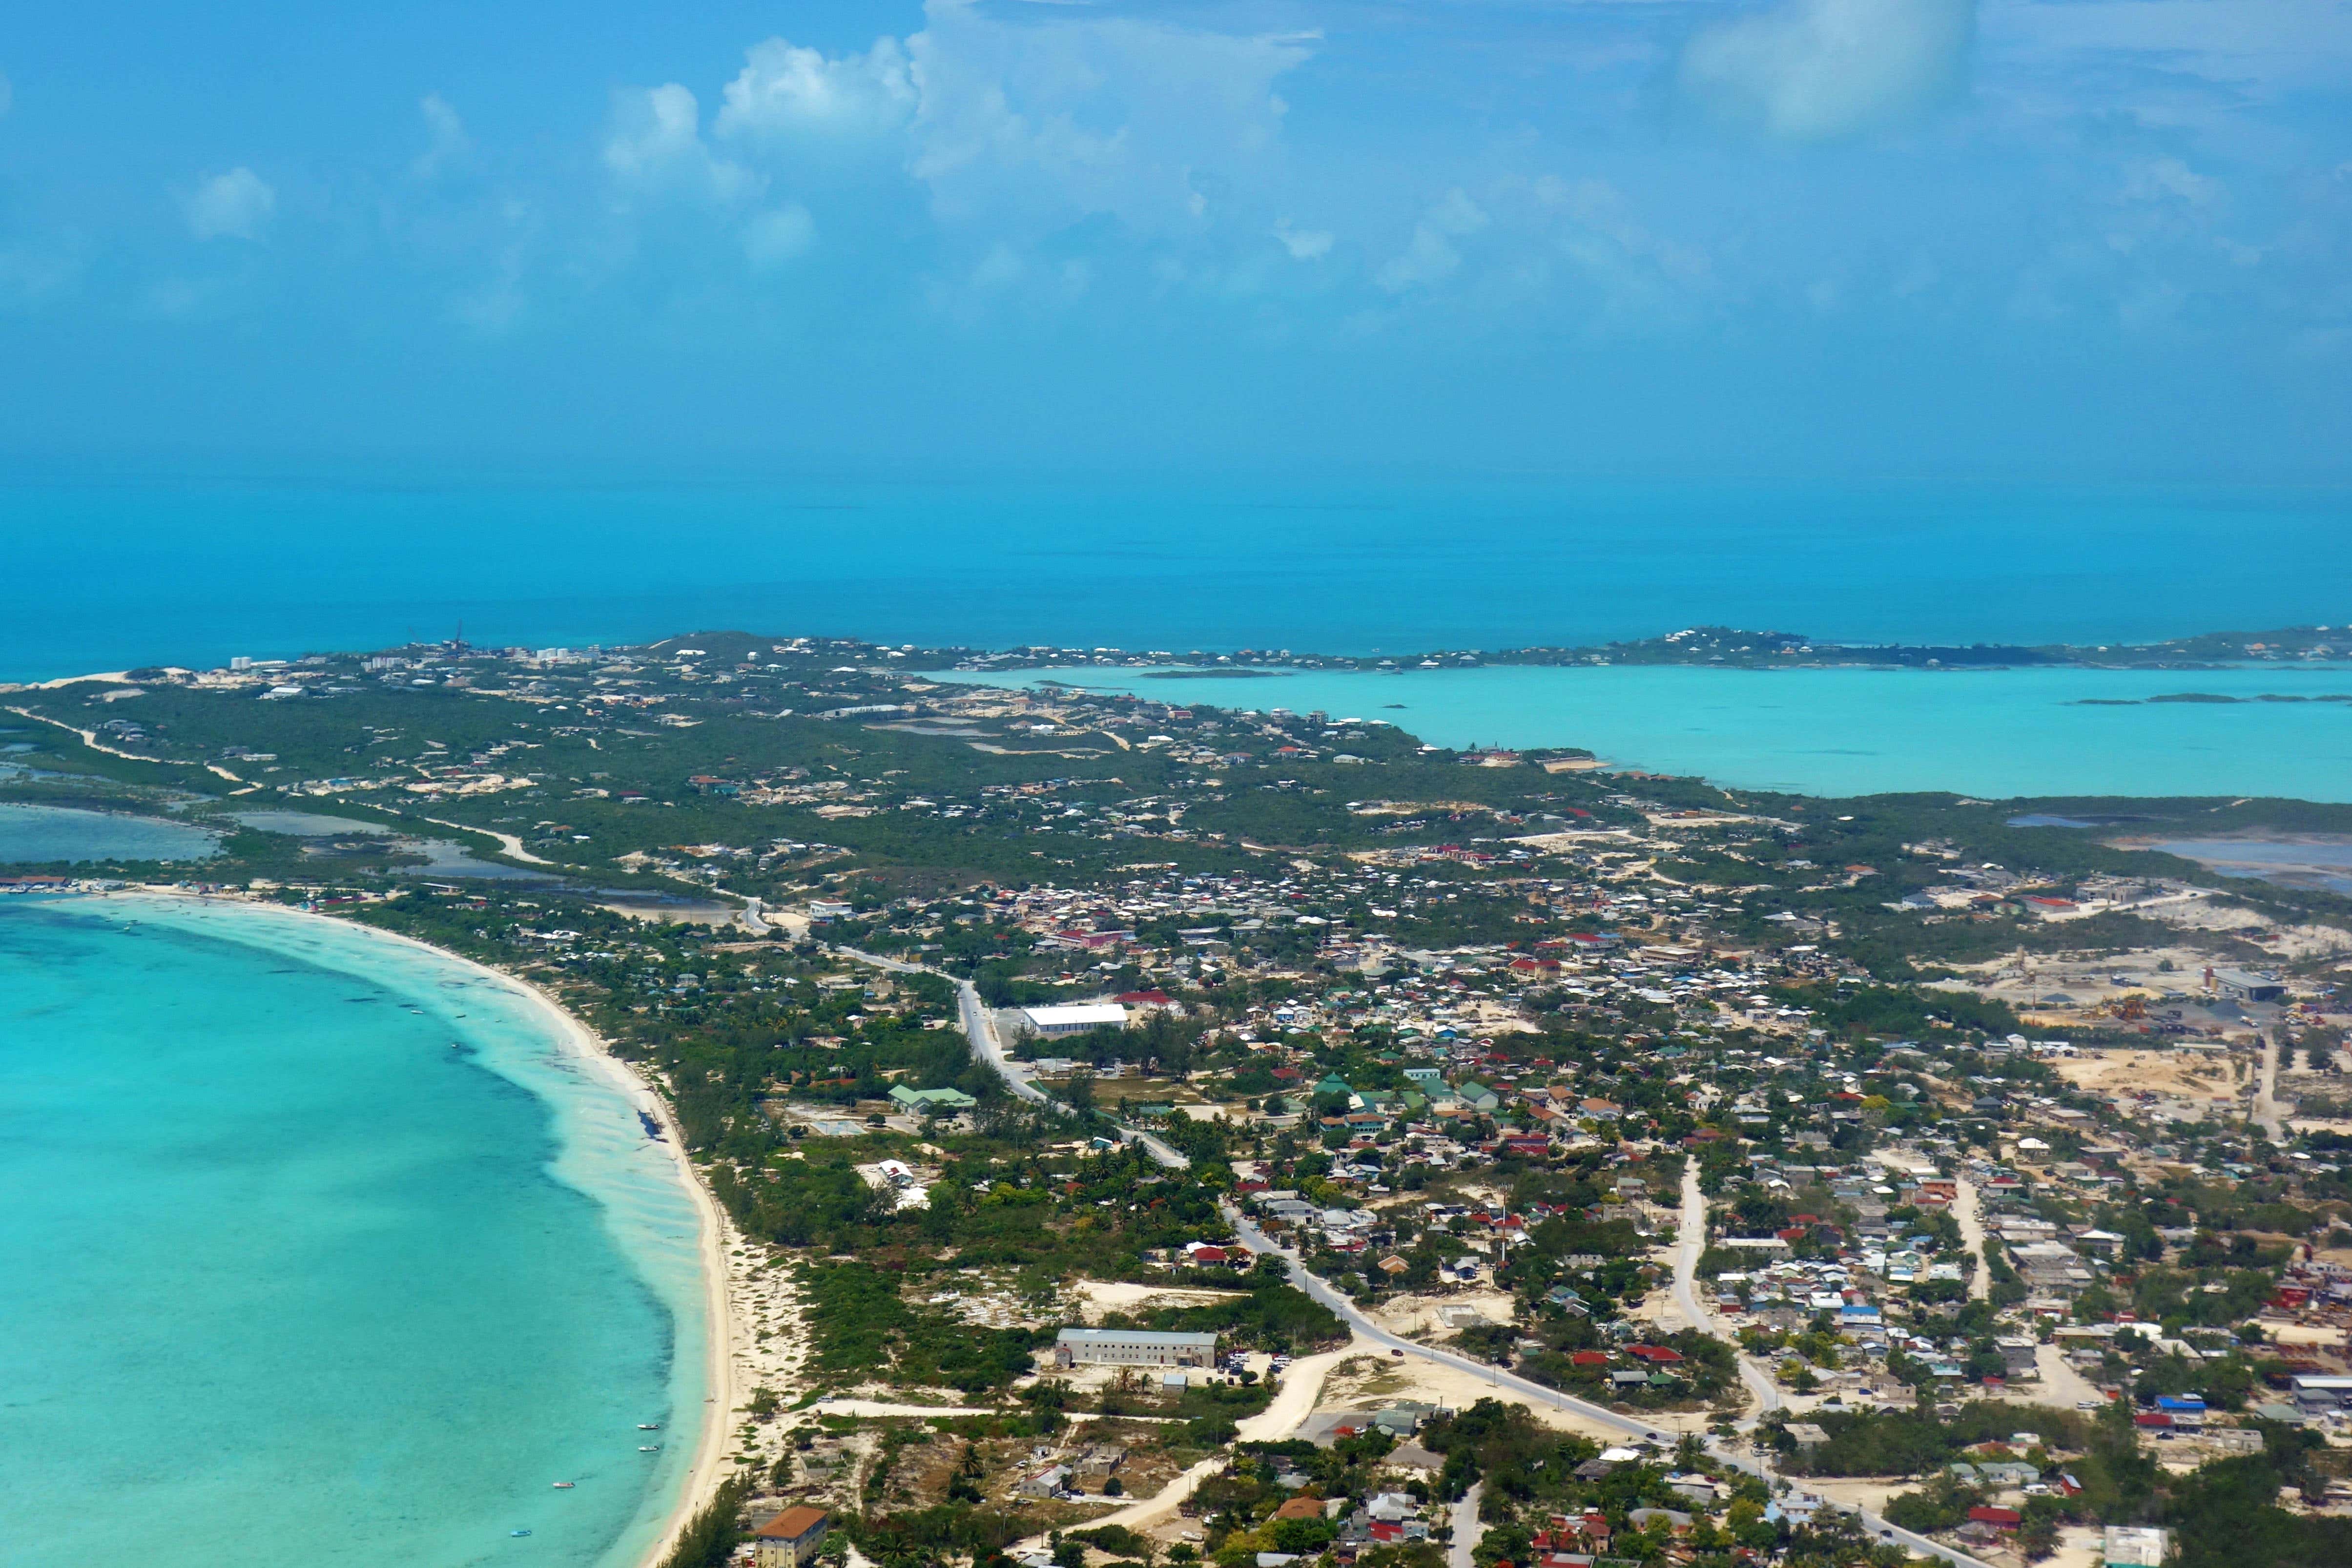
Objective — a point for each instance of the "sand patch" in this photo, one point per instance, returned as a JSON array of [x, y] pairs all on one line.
[[1095, 1297]]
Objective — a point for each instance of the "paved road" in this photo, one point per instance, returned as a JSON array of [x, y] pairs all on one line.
[[1516, 1387], [1467, 1527], [988, 1046]]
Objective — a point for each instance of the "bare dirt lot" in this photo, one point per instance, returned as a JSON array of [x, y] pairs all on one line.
[[2178, 1075]]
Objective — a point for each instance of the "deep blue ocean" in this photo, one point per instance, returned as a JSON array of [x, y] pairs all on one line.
[[105, 576]]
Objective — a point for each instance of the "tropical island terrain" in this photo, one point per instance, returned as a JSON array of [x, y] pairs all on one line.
[[1159, 1133]]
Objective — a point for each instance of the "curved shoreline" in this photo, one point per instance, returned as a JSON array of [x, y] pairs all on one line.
[[719, 1361], [702, 1476]]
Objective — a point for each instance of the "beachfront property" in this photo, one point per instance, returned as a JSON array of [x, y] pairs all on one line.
[[1052, 1022], [791, 1539], [1132, 1347]]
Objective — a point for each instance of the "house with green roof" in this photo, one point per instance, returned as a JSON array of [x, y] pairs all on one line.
[[931, 1102]]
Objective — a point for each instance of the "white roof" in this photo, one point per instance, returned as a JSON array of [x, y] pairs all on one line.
[[1088, 1013], [1138, 1337]]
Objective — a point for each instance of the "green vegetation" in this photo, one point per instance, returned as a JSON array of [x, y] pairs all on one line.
[[709, 1537]]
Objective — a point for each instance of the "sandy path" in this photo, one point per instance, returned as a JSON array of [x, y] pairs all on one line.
[[1100, 1296], [2266, 1105], [2061, 1385], [89, 737], [1969, 1212], [1690, 1243], [509, 844], [1302, 1386]]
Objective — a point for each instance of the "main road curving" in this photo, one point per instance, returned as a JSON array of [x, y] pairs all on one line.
[[1516, 1387], [988, 1047]]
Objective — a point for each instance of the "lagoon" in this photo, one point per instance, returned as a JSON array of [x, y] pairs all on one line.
[[289, 1279], [1999, 733], [51, 835]]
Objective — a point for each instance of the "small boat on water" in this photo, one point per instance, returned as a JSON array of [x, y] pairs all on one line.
[[566, 1486], [518, 1532], [648, 1425], [649, 1447]]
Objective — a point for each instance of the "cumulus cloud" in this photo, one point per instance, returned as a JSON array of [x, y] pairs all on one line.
[[1042, 123], [1430, 256], [1814, 70], [235, 205], [654, 144], [449, 145], [787, 90], [2170, 181], [772, 238], [1304, 244]]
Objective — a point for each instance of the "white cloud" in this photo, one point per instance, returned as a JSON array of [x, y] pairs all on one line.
[[183, 299], [2169, 181], [1429, 256], [1304, 244], [656, 145], [772, 238], [449, 145], [1813, 70], [235, 205], [1040, 121], [1000, 267], [783, 90]]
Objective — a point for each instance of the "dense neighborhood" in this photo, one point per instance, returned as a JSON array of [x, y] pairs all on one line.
[[1167, 1135]]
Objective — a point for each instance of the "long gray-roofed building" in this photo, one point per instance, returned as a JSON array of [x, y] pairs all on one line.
[[1132, 1347]]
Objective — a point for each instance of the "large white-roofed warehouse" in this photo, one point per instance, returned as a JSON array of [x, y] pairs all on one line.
[[1074, 1020], [1133, 1347]]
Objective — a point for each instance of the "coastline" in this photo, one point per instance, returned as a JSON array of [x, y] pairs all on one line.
[[720, 1392]]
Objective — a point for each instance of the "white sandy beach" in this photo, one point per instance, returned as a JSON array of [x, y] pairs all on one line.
[[720, 1392], [721, 1389]]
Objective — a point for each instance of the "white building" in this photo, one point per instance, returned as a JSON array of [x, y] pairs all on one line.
[[1052, 1022], [1133, 1347]]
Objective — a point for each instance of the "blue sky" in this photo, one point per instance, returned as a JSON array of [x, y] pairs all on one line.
[[1829, 237]]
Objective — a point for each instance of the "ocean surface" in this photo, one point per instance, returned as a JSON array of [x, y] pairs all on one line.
[[288, 1280], [112, 576], [1999, 733]]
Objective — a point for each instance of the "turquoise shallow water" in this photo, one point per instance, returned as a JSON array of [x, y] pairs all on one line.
[[1849, 731], [286, 1280], [44, 835]]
